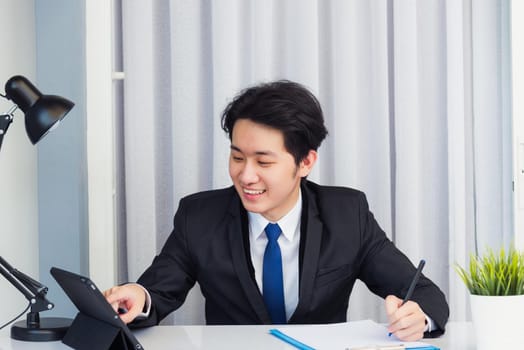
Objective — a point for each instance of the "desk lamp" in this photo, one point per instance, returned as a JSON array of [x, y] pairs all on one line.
[[42, 114]]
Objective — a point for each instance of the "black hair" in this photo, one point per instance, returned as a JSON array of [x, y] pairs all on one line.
[[283, 105]]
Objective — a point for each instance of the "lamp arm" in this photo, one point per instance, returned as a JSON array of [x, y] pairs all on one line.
[[5, 121], [33, 290], [32, 284], [6, 271]]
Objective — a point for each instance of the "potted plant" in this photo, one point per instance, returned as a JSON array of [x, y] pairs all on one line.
[[495, 281]]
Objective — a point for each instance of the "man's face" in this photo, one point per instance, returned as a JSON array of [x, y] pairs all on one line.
[[263, 171]]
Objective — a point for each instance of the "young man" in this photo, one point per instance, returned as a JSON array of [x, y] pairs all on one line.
[[326, 237]]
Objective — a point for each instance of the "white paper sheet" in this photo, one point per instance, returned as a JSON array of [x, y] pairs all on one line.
[[343, 336]]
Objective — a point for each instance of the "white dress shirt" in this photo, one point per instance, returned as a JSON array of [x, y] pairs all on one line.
[[288, 241]]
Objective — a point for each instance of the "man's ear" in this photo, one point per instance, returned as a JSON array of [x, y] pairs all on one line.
[[307, 163]]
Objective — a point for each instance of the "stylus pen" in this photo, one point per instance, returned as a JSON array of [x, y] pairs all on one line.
[[413, 283]]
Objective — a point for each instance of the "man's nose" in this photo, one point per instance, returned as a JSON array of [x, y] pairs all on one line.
[[248, 174]]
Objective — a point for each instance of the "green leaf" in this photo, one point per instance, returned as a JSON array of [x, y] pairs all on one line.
[[494, 273]]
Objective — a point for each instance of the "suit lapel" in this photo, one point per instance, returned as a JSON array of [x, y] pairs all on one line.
[[236, 243], [311, 256]]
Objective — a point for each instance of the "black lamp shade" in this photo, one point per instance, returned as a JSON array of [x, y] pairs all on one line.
[[42, 112]]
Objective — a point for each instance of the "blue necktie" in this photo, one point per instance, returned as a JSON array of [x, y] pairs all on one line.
[[272, 278]]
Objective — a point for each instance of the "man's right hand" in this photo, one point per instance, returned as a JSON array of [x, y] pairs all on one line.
[[130, 297]]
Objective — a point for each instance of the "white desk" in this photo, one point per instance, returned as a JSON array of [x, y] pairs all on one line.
[[459, 336]]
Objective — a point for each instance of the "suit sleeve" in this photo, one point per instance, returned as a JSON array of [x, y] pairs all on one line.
[[387, 271], [170, 276]]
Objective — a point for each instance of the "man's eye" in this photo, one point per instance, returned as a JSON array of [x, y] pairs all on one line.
[[237, 159], [264, 163]]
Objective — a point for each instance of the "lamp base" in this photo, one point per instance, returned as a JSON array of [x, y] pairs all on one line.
[[50, 329]]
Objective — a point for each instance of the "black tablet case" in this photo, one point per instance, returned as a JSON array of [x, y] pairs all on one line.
[[97, 325]]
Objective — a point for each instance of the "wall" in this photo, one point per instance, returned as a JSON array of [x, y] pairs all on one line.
[[62, 185], [18, 179], [43, 198]]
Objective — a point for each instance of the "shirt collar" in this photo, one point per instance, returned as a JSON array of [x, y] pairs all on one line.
[[288, 223]]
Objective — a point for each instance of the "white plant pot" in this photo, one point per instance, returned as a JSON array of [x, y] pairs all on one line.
[[498, 321]]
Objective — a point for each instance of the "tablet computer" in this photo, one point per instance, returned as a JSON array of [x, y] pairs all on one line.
[[96, 321]]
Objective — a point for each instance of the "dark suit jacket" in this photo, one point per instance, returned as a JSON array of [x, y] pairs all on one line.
[[340, 242]]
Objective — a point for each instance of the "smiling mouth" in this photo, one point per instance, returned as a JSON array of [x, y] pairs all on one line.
[[253, 192]]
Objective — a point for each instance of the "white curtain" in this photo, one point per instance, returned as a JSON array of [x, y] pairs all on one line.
[[415, 95]]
